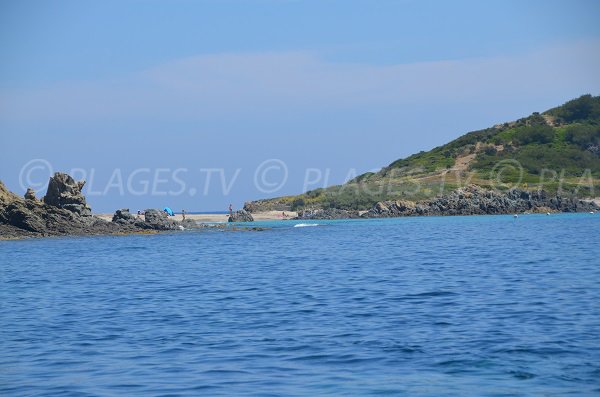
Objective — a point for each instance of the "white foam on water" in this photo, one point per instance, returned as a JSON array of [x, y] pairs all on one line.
[[306, 224]]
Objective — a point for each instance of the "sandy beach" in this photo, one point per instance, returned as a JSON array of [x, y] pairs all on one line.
[[210, 218]]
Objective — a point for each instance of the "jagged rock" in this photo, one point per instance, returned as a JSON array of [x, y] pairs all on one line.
[[381, 207], [30, 194], [64, 192], [17, 214], [153, 219], [26, 217], [64, 212], [158, 220], [267, 205], [123, 216], [475, 200], [189, 224], [241, 216]]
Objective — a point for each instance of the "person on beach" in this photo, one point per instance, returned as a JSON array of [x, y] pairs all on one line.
[[183, 214], [230, 210]]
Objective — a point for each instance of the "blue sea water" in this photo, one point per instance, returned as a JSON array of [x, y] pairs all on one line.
[[441, 306]]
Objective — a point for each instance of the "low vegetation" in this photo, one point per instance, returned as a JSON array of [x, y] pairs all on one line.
[[558, 150]]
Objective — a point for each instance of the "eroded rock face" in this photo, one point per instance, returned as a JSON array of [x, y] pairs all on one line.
[[19, 215], [123, 216], [64, 211], [158, 220], [22, 217], [266, 205], [64, 192], [15, 212], [250, 206], [474, 200], [30, 194], [241, 216], [471, 200]]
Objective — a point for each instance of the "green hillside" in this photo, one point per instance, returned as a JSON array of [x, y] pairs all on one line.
[[558, 150]]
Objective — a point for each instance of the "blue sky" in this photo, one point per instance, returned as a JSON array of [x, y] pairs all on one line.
[[108, 88]]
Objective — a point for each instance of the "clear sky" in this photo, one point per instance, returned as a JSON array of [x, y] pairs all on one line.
[[180, 102]]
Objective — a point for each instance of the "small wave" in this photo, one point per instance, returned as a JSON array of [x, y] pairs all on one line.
[[522, 375], [431, 294], [306, 224]]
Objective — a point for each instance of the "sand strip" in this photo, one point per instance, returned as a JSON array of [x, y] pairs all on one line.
[[209, 218]]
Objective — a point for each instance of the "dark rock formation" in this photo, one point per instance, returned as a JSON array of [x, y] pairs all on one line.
[[153, 219], [28, 217], [267, 205], [250, 206], [64, 211], [19, 215], [241, 216], [123, 216], [65, 192], [191, 224], [474, 200], [329, 213], [30, 194], [158, 220]]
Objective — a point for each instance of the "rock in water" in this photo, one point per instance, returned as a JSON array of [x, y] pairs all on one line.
[[241, 216], [123, 216], [64, 192], [158, 220], [64, 211]]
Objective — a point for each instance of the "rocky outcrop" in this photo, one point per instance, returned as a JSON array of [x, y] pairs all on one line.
[[241, 216], [64, 192], [152, 219], [471, 200], [19, 215], [474, 200], [267, 205], [192, 224], [64, 211], [22, 217], [124, 217], [30, 194], [251, 206], [158, 220], [328, 213]]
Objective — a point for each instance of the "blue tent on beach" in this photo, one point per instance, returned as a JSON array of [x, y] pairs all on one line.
[[169, 211]]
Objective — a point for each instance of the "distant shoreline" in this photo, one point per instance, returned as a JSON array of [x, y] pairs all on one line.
[[217, 217]]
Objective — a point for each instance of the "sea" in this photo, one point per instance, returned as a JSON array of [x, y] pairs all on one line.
[[428, 306]]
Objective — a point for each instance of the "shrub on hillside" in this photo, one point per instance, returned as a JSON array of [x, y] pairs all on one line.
[[584, 136], [586, 107], [539, 134]]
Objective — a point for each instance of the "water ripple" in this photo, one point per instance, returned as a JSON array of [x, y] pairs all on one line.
[[412, 307]]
